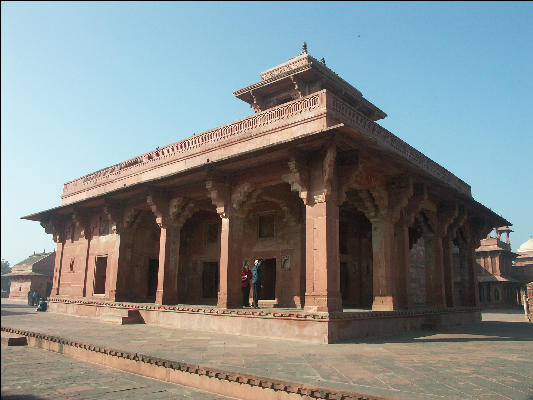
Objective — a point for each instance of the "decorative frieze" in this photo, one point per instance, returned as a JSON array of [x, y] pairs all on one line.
[[196, 143]]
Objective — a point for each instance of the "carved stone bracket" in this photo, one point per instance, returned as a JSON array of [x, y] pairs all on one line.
[[159, 204], [112, 211], [370, 188], [457, 223], [400, 190], [169, 210], [130, 216], [220, 196], [480, 226], [446, 214], [415, 203], [240, 194], [328, 170], [56, 227], [186, 211], [298, 176], [82, 221]]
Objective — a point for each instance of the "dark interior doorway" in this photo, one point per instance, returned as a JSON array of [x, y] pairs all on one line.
[[153, 270], [210, 280], [269, 279], [100, 275]]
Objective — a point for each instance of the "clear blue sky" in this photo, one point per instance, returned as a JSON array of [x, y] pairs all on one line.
[[87, 85]]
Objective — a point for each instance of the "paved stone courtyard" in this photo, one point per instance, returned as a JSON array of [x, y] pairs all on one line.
[[492, 359], [32, 374]]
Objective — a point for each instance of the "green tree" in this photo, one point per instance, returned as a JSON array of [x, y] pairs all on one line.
[[6, 269]]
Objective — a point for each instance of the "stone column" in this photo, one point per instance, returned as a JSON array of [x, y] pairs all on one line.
[[382, 246], [82, 221], [56, 283], [472, 294], [231, 208], [120, 264], [85, 276], [402, 262], [322, 257], [230, 260], [447, 266], [436, 291], [171, 213], [167, 277]]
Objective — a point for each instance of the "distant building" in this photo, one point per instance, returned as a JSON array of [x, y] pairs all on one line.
[[33, 273], [523, 265], [500, 282]]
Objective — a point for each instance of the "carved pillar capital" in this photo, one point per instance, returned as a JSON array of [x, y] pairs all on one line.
[[329, 170], [219, 192], [400, 189], [56, 227], [446, 215], [113, 212], [81, 220], [158, 201]]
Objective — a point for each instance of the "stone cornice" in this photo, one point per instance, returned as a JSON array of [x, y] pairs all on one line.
[[387, 140], [273, 119], [323, 104]]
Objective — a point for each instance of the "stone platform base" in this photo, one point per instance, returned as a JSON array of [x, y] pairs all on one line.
[[275, 323]]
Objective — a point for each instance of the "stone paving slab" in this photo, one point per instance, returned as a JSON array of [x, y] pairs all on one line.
[[36, 374], [492, 359]]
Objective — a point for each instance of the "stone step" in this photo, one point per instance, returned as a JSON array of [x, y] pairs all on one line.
[[122, 317], [10, 339]]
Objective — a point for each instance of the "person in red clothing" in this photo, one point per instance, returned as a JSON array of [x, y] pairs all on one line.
[[246, 277]]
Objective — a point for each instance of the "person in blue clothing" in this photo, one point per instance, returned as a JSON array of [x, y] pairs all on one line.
[[256, 281], [42, 305]]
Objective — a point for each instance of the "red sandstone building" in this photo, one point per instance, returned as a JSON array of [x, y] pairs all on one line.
[[33, 273], [358, 229], [502, 277]]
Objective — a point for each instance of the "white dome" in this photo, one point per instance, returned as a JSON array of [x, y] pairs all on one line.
[[526, 246]]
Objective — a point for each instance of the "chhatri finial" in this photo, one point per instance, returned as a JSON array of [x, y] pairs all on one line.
[[304, 48], [323, 60]]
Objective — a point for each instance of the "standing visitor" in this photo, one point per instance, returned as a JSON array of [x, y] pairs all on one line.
[[30, 296], [246, 277], [35, 298], [256, 282]]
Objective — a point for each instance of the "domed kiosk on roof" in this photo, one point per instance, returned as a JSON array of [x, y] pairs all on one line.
[[524, 262], [527, 246]]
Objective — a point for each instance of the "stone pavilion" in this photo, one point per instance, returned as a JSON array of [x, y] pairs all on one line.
[[357, 228]]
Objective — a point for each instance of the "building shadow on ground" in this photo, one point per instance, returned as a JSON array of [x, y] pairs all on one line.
[[16, 309], [20, 397], [484, 331]]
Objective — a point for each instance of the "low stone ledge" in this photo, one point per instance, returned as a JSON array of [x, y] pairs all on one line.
[[261, 313], [307, 391]]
